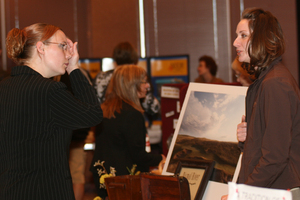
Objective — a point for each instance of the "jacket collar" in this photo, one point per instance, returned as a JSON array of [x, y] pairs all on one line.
[[19, 70], [264, 73]]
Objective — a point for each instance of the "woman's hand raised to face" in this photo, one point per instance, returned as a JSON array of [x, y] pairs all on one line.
[[74, 56]]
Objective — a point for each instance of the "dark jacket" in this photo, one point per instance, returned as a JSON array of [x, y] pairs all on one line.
[[121, 142], [271, 155], [37, 116]]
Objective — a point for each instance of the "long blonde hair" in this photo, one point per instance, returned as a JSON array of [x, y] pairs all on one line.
[[124, 86]]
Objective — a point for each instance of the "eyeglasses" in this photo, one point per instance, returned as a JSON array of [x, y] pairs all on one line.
[[63, 46], [144, 82]]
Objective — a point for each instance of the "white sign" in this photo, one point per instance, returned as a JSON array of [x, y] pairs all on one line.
[[169, 114], [246, 192], [170, 92], [178, 106], [175, 123]]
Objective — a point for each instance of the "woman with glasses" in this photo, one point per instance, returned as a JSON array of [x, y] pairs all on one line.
[[37, 114], [121, 136]]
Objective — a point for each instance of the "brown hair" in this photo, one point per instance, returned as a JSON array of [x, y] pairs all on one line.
[[210, 64], [266, 42], [124, 86], [20, 43], [125, 54]]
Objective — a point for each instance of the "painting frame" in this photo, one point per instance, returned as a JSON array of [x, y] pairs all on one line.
[[202, 89], [193, 166]]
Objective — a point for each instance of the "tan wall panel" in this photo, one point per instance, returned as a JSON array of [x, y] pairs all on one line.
[[183, 27], [188, 28], [67, 14], [113, 21]]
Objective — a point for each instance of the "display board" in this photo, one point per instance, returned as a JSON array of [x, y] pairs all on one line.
[[168, 69], [107, 63], [91, 65]]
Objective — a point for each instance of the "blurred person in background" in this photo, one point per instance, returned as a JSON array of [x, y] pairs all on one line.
[[120, 137], [241, 74], [125, 54], [207, 71]]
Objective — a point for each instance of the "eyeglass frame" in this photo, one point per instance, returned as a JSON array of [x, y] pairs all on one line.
[[237, 75], [61, 45]]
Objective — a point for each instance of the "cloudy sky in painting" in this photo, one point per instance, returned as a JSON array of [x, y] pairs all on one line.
[[212, 116]]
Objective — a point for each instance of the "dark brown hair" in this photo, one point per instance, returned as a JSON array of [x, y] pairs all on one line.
[[210, 64], [266, 42], [20, 43], [124, 86], [124, 53]]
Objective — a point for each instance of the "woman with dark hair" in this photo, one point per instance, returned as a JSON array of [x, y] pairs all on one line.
[[207, 71], [124, 53], [271, 147], [37, 114], [121, 137]]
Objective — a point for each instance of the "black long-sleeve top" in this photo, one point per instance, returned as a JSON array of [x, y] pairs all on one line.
[[37, 116], [121, 141]]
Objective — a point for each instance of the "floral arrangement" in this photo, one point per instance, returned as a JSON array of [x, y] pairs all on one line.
[[103, 174], [132, 170]]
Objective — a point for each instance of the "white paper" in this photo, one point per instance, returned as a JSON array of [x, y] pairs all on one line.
[[215, 190], [241, 192]]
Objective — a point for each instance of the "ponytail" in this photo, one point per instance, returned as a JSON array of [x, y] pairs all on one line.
[[21, 43], [15, 43]]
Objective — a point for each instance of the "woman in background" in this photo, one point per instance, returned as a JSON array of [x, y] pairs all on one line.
[[125, 54], [37, 114], [121, 137], [241, 75]]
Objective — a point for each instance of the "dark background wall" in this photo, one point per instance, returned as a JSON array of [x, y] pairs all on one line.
[[70, 15], [196, 27]]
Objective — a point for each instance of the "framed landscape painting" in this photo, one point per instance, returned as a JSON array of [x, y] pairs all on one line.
[[206, 129]]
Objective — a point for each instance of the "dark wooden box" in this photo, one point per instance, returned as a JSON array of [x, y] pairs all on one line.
[[124, 187], [147, 186]]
